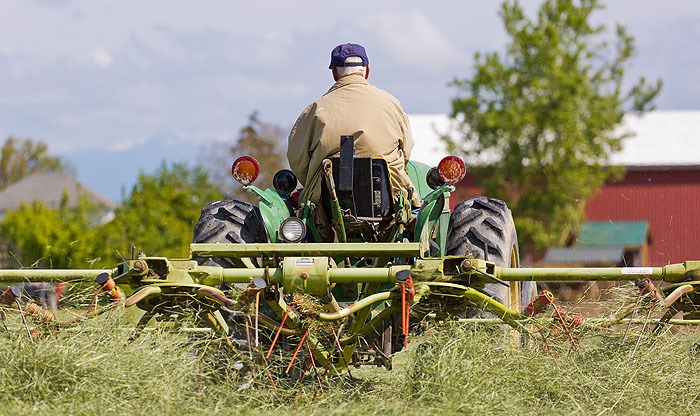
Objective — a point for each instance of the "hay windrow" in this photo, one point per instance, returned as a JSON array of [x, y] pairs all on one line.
[[100, 367]]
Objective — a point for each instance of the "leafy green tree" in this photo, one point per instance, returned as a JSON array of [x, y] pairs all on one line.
[[265, 141], [157, 217], [20, 158], [541, 117], [39, 236], [160, 213]]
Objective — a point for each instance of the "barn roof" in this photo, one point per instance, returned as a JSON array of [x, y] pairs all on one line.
[[613, 233], [658, 138], [48, 188], [588, 256], [661, 138]]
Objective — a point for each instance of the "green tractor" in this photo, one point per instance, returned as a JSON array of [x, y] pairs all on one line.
[[378, 243]]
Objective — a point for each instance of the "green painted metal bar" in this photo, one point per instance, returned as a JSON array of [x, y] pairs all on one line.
[[306, 249], [670, 273], [51, 275], [276, 275], [366, 275], [575, 274], [336, 211]]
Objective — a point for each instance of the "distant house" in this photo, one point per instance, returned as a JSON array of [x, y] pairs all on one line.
[[661, 186], [50, 189], [604, 244]]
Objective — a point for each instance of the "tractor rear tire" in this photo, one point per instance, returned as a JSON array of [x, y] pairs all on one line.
[[485, 228], [229, 221]]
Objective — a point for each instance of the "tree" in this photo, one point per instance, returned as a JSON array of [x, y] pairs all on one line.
[[22, 158], [157, 217], [39, 236], [160, 213], [264, 141], [541, 117]]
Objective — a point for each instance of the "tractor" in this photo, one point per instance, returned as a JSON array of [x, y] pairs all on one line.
[[372, 233]]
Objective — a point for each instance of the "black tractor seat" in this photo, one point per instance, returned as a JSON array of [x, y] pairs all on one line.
[[368, 196]]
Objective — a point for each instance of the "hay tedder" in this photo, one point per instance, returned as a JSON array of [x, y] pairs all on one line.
[[273, 279]]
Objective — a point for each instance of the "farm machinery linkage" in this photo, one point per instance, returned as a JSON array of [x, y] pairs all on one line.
[[267, 280]]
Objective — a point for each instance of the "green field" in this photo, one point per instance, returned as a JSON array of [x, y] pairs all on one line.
[[449, 369]]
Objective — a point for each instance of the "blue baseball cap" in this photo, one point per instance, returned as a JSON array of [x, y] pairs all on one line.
[[346, 50]]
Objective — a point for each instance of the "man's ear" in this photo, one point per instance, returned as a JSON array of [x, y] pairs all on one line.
[[367, 72], [334, 70]]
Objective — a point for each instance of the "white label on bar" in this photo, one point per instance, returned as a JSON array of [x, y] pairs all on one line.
[[304, 260], [637, 270]]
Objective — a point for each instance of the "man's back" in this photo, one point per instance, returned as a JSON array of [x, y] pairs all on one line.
[[352, 106]]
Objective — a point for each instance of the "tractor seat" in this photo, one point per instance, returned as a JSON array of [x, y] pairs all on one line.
[[369, 197]]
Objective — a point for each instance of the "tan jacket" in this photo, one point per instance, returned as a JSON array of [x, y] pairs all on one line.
[[352, 106]]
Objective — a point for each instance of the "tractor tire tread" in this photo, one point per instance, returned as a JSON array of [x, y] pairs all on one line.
[[478, 223], [228, 221]]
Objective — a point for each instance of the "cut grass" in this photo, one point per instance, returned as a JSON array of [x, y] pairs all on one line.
[[450, 369], [662, 377]]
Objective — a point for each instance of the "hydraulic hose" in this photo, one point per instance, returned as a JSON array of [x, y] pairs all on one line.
[[677, 293], [483, 301], [365, 302]]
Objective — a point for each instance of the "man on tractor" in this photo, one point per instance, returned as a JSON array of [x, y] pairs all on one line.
[[351, 107]]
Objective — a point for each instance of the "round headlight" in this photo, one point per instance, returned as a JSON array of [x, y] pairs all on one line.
[[292, 230]]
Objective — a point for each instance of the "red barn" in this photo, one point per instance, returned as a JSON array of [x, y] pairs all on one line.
[[661, 186]]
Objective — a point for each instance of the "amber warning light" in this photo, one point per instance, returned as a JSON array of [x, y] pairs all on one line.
[[245, 170], [451, 169]]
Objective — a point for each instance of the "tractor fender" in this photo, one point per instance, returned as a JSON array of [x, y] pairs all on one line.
[[273, 209]]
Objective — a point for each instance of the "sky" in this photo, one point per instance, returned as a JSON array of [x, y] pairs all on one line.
[[116, 87]]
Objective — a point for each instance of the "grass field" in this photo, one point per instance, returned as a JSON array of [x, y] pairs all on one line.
[[448, 369]]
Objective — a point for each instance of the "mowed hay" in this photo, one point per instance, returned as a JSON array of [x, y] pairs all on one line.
[[462, 369], [451, 368], [93, 372]]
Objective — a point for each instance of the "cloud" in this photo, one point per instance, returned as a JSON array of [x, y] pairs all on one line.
[[123, 145], [102, 57], [411, 39]]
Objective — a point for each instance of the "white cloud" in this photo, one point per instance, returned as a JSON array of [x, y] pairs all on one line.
[[102, 57], [123, 145], [412, 39]]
